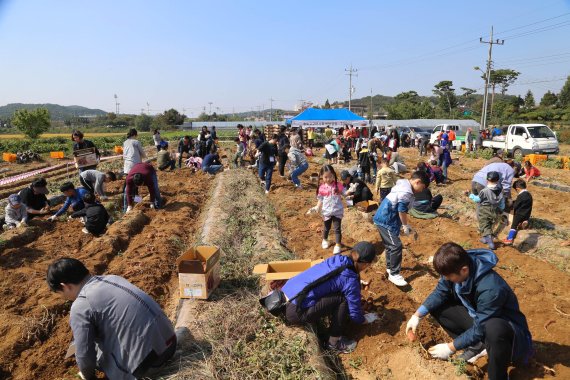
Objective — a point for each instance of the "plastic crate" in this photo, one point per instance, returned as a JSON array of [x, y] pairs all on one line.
[[56, 154], [536, 158], [9, 157]]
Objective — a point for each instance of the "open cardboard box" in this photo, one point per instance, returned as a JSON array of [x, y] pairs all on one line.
[[85, 157], [283, 270], [199, 271], [367, 206]]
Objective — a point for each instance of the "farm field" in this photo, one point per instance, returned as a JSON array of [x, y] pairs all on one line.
[[143, 246]]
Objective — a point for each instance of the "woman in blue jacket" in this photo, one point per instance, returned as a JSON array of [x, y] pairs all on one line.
[[478, 309], [338, 297]]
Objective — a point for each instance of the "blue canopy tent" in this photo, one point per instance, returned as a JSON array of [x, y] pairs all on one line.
[[320, 118]]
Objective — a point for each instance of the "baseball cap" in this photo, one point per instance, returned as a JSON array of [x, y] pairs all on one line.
[[344, 174], [40, 185], [14, 199], [366, 252], [493, 176]]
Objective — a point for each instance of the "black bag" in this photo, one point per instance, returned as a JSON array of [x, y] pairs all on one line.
[[276, 301]]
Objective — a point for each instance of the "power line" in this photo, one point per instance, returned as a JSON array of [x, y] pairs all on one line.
[[351, 72]]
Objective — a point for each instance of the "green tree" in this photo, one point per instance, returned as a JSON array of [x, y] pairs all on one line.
[[549, 99], [32, 123], [447, 100], [143, 123], [501, 78], [529, 102], [408, 96], [171, 118], [327, 105], [111, 116], [564, 96]]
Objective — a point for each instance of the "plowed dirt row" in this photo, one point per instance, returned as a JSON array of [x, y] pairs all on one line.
[[142, 247], [383, 351]]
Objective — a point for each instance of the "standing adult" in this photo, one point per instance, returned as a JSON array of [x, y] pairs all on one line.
[[393, 140], [468, 140], [214, 134], [34, 198], [311, 137], [157, 139], [478, 143], [283, 141], [267, 152], [116, 327], [80, 143], [133, 152]]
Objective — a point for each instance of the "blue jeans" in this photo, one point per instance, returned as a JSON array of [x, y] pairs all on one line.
[[265, 174], [212, 169], [297, 172]]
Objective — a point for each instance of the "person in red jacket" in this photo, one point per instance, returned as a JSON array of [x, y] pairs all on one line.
[[142, 174], [530, 171]]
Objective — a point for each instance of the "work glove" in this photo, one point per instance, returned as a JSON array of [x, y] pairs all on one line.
[[312, 210], [22, 224], [371, 317], [407, 229], [51, 218], [440, 351], [129, 209], [413, 324]]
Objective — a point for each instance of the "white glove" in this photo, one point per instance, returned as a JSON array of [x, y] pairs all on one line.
[[371, 317], [51, 218], [406, 229], [312, 210], [413, 324], [129, 209], [81, 375], [440, 351], [152, 205]]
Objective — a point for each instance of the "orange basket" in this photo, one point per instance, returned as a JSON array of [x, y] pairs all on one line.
[[118, 149], [9, 157], [536, 158], [56, 154]]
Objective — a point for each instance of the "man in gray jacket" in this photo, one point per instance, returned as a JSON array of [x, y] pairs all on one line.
[[117, 328], [94, 181]]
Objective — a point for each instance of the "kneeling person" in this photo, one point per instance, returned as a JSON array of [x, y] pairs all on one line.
[[74, 199], [336, 294], [478, 309], [358, 191], [96, 217], [117, 328]]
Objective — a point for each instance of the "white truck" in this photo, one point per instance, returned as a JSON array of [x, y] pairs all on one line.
[[523, 139]]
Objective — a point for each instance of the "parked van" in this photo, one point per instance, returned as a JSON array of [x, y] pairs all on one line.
[[523, 139], [460, 131]]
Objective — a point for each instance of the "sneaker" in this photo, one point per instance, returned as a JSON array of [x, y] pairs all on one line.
[[342, 346], [299, 187], [266, 191], [472, 353], [508, 241], [336, 249], [397, 280], [325, 244], [84, 230]]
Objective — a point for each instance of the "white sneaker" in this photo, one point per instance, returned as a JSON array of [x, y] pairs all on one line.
[[266, 191], [397, 280], [325, 244], [336, 249], [84, 230]]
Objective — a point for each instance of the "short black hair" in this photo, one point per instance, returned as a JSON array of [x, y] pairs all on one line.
[[450, 258], [66, 186], [275, 136], [422, 176], [187, 137], [519, 184], [138, 179], [65, 271], [112, 176], [89, 198]]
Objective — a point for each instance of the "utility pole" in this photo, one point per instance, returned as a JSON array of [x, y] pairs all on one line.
[[371, 112], [351, 72], [210, 103], [116, 106], [302, 103], [488, 75], [271, 100], [147, 108]]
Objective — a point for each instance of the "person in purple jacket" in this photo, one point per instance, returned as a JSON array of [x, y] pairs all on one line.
[[338, 297]]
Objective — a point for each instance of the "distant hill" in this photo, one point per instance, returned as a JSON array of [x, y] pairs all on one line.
[[56, 111]]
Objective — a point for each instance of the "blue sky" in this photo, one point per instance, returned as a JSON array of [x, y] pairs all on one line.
[[238, 54]]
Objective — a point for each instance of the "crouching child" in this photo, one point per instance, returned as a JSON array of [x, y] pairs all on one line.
[[331, 288], [491, 203], [522, 209], [15, 213], [94, 214]]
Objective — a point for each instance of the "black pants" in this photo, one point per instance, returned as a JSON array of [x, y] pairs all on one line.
[[333, 305], [499, 336], [87, 185], [170, 164], [282, 161], [436, 202], [335, 223]]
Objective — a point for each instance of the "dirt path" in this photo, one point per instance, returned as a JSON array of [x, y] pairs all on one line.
[[142, 247], [383, 350]]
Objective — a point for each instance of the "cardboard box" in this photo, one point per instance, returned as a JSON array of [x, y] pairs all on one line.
[[367, 206], [199, 272], [85, 157], [283, 270]]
